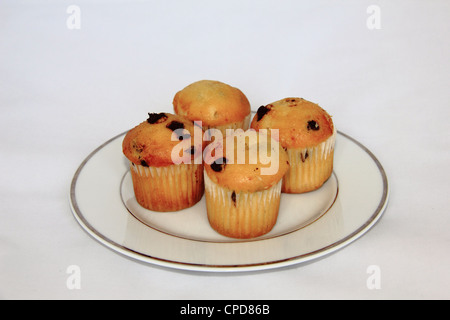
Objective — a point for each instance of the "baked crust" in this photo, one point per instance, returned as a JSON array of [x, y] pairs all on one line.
[[246, 175], [212, 102], [301, 123], [151, 142]]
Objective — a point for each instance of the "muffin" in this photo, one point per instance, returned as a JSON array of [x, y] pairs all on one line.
[[216, 104], [307, 133], [242, 184], [165, 162]]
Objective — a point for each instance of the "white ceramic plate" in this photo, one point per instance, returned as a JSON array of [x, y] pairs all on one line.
[[309, 225]]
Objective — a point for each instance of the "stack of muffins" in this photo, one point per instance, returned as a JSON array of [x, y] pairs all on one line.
[[172, 168]]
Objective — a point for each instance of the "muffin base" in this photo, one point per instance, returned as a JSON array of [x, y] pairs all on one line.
[[170, 188], [241, 215], [309, 167]]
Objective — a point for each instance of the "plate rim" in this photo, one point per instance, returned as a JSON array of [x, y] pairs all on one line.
[[188, 266]]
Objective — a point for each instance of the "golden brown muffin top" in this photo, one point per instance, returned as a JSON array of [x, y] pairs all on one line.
[[263, 164], [212, 102], [152, 142], [301, 123]]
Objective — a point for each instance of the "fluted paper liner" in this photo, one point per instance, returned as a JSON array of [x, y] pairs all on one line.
[[169, 188], [309, 167], [241, 214]]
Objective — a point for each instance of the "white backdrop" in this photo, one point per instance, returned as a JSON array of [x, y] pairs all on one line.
[[70, 82]]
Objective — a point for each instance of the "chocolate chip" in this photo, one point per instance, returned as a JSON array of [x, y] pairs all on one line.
[[139, 148], [219, 164], [192, 150], [233, 198], [156, 117], [312, 125], [304, 157], [262, 112], [144, 163], [183, 136], [174, 126]]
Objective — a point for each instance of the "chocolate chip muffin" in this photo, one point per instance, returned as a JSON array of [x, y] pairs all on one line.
[[307, 133], [243, 184], [214, 103], [165, 162]]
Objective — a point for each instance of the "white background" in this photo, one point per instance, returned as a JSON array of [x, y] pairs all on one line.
[[64, 92]]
